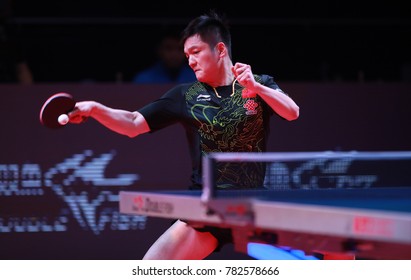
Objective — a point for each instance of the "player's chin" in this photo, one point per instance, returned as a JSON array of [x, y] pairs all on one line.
[[199, 76]]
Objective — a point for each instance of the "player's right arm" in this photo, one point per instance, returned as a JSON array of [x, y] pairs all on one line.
[[121, 121]]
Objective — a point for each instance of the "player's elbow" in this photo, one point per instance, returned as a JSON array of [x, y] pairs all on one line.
[[132, 134], [138, 125], [294, 113], [133, 131]]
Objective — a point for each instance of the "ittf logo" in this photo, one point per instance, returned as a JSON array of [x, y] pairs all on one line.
[[250, 106]]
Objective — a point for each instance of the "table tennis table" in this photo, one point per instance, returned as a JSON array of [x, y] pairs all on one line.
[[368, 223]]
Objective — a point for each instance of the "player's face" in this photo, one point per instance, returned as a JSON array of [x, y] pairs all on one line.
[[202, 59]]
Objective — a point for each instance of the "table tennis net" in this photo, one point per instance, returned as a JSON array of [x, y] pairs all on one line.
[[305, 170]]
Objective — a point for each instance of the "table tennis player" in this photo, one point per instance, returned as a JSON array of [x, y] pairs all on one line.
[[227, 109]]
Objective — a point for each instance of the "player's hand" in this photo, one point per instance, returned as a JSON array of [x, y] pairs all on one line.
[[245, 77], [82, 110]]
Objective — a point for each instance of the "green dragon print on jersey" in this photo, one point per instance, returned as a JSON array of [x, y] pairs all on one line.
[[228, 124]]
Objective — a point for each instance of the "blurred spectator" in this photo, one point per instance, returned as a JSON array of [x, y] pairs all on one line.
[[13, 66], [171, 65]]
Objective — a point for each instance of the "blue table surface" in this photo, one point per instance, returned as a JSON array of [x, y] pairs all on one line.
[[385, 199]]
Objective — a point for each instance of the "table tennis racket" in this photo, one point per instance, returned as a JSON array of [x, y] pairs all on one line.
[[55, 106]]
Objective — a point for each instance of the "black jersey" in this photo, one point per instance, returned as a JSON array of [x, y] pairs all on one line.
[[217, 120]]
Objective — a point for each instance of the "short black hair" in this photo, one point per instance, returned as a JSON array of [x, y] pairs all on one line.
[[212, 29]]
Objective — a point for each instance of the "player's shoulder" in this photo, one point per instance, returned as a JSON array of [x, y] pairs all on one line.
[[264, 78], [180, 90], [267, 80], [183, 87]]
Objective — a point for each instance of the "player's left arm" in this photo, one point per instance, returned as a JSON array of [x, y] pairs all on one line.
[[280, 102]]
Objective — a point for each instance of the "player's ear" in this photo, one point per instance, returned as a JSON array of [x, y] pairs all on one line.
[[221, 49]]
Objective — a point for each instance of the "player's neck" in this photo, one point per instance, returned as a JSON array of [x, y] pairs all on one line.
[[228, 74], [223, 76], [227, 78], [227, 81]]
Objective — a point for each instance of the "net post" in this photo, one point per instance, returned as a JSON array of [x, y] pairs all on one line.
[[209, 169]]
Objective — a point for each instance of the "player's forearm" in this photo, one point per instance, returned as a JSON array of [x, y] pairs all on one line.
[[121, 121], [279, 102]]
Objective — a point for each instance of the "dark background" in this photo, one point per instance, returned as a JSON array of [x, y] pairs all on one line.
[[86, 41]]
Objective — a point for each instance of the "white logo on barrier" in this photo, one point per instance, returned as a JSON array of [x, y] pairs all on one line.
[[81, 183], [315, 174]]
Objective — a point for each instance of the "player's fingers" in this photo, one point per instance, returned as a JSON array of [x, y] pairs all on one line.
[[235, 69], [83, 119], [75, 116], [244, 78], [240, 68], [77, 119]]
